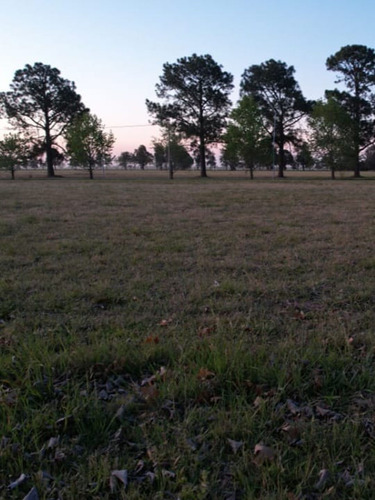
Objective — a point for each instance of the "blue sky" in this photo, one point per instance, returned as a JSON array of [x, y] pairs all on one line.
[[114, 50]]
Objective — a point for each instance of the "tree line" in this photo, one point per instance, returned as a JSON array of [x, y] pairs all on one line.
[[272, 124]]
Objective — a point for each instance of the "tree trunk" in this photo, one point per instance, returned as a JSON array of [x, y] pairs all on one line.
[[357, 165], [202, 150], [281, 160], [202, 145], [333, 173], [49, 154], [251, 169], [357, 137], [12, 173]]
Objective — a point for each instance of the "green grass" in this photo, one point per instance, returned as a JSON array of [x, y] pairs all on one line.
[[168, 328]]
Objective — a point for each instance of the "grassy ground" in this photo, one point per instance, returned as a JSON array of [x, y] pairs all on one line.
[[194, 339]]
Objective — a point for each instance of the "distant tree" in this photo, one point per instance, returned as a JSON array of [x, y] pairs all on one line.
[[280, 100], [160, 154], [41, 100], [171, 144], [229, 156], [195, 91], [124, 159], [356, 66], [289, 158], [304, 156], [142, 156], [88, 145], [14, 152], [180, 157], [331, 134], [210, 158], [369, 159], [246, 134]]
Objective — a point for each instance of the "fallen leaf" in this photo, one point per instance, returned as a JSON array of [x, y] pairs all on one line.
[[151, 476], [18, 482], [299, 314], [318, 378], [120, 475], [59, 455], [215, 399], [327, 413], [150, 392], [165, 322], [148, 380], [323, 478], [258, 401], [162, 372], [205, 374], [291, 431], [32, 494], [169, 474], [53, 442], [263, 454], [293, 407], [235, 445], [152, 339], [139, 467], [205, 331]]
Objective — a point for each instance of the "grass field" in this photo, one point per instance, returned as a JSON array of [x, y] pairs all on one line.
[[194, 339]]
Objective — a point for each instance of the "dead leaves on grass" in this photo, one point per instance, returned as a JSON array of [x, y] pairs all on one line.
[[263, 454], [118, 476], [235, 445]]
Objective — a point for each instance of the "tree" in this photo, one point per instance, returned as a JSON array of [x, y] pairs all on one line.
[[369, 159], [245, 136], [41, 100], [142, 156], [356, 66], [229, 156], [195, 91], [38, 153], [170, 148], [210, 158], [180, 157], [14, 152], [277, 93], [304, 157], [124, 159], [88, 145], [331, 134], [160, 154]]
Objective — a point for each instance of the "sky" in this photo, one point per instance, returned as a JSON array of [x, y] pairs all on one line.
[[114, 50]]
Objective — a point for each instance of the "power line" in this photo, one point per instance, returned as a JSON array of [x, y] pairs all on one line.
[[113, 126], [131, 126]]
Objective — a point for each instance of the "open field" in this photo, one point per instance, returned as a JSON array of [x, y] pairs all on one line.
[[206, 339]]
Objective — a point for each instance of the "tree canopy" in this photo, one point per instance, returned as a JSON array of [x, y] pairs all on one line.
[[14, 152], [282, 104], [195, 100], [124, 159], [171, 149], [331, 134], [355, 65], [245, 138], [87, 143], [41, 100], [142, 156]]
